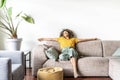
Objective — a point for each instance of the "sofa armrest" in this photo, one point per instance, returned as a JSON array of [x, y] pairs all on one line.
[[5, 69], [17, 57], [38, 58]]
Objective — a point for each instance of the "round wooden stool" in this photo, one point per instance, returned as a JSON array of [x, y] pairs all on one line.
[[50, 73]]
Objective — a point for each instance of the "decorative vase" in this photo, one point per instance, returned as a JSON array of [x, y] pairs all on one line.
[[13, 44]]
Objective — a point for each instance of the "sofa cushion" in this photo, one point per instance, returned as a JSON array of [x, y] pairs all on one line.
[[113, 57], [52, 53], [114, 69], [109, 47], [15, 67], [93, 66], [90, 48], [17, 71], [66, 65]]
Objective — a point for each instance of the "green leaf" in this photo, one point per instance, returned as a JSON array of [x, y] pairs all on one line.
[[2, 3], [28, 19], [19, 14], [9, 10]]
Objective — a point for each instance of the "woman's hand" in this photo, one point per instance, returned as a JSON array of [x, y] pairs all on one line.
[[47, 39], [95, 38], [40, 39], [89, 39]]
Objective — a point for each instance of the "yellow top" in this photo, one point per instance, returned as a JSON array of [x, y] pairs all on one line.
[[67, 42]]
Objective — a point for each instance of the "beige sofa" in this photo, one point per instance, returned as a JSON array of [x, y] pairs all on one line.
[[94, 61]]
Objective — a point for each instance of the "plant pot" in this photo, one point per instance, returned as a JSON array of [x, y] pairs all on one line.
[[13, 44]]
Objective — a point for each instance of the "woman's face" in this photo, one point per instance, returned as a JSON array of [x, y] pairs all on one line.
[[65, 34]]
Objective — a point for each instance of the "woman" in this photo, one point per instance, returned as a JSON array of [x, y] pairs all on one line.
[[67, 43]]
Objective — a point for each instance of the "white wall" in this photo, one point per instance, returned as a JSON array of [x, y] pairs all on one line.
[[88, 18]]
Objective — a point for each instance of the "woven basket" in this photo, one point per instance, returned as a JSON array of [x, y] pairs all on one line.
[[50, 73]]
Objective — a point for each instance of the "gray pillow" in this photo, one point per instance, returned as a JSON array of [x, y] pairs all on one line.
[[52, 53], [117, 52]]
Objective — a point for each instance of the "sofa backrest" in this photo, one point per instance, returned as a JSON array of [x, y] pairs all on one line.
[[109, 47], [98, 48], [17, 57], [90, 48]]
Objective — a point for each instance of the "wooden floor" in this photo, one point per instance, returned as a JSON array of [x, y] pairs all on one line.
[[30, 77]]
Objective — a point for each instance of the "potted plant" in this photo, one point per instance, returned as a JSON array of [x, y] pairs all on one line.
[[9, 28]]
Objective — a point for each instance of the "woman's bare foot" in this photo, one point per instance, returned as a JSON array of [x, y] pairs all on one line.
[[76, 75]]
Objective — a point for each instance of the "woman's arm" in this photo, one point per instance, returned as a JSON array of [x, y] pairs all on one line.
[[47, 39], [89, 39]]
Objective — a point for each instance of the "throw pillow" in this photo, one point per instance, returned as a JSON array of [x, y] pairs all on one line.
[[117, 52], [52, 53]]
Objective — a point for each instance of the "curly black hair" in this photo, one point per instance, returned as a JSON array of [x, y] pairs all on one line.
[[70, 32]]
